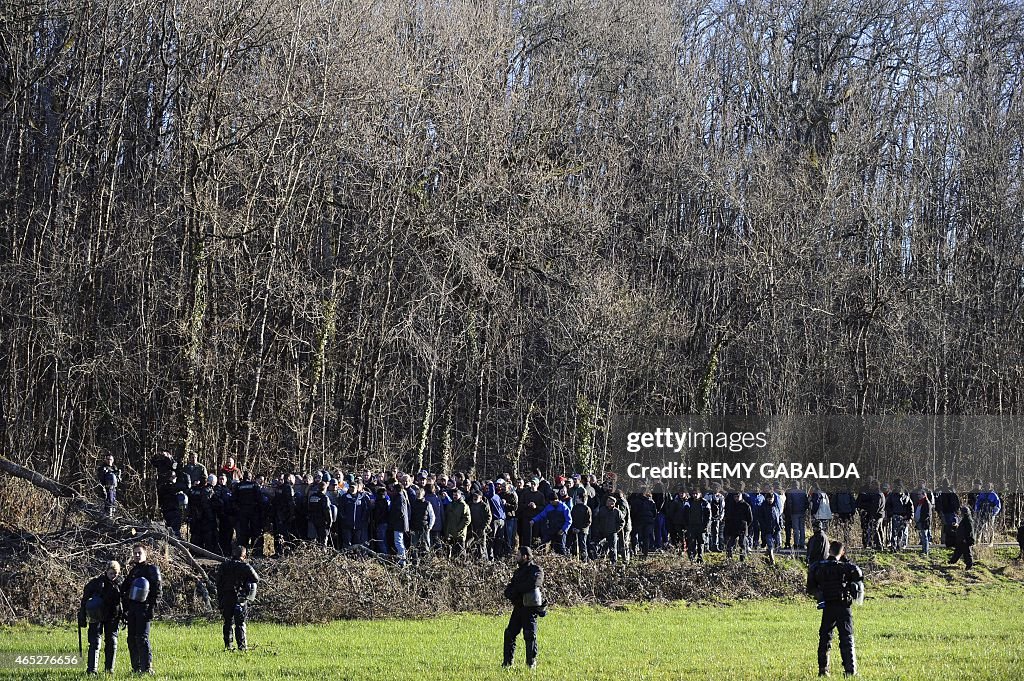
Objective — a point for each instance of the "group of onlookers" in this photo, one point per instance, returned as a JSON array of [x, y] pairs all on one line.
[[398, 513]]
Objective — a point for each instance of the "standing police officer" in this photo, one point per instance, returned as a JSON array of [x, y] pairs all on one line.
[[248, 504], [833, 582], [527, 605], [319, 512], [140, 592], [101, 610], [236, 586]]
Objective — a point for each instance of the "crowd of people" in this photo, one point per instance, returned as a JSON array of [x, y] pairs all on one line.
[[404, 516], [586, 516]]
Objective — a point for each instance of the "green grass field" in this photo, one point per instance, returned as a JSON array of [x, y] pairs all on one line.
[[945, 625]]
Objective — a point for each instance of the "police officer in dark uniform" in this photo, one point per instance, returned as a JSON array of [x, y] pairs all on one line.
[[248, 502], [236, 586], [834, 582], [283, 514], [172, 497], [527, 605], [318, 507], [164, 464], [140, 593], [202, 522], [101, 610], [223, 502], [964, 539]]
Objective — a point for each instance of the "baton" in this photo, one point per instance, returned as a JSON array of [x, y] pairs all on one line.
[[80, 641]]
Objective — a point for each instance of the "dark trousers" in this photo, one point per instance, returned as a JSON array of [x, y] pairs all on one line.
[[645, 534], [949, 530], [250, 529], [225, 532], [138, 638], [108, 630], [523, 619], [557, 541], [837, 616], [234, 615], [965, 551], [695, 544], [172, 518], [526, 532], [579, 545], [732, 542], [201, 533], [322, 533], [109, 500], [354, 536]]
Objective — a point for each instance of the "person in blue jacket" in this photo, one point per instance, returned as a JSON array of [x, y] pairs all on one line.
[[558, 519], [768, 517], [988, 502], [986, 508], [755, 499]]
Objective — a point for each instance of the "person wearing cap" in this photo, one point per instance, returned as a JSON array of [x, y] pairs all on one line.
[[282, 510], [608, 524], [523, 591], [139, 607], [964, 539], [102, 615]]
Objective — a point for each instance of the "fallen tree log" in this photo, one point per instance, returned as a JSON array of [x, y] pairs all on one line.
[[94, 511]]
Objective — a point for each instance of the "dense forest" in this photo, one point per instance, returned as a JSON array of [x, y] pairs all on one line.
[[474, 234]]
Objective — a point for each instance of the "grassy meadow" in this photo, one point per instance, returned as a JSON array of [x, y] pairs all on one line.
[[921, 619]]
